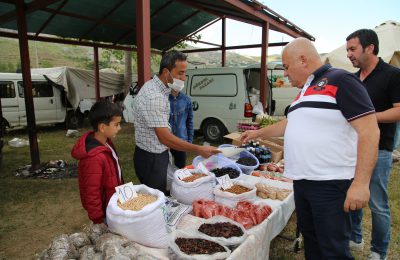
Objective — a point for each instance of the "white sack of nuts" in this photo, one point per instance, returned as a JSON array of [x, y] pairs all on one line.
[[230, 199], [147, 225], [196, 188]]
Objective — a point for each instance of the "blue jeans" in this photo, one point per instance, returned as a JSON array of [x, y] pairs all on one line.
[[379, 206]]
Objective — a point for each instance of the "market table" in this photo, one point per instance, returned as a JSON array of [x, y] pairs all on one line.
[[257, 244]]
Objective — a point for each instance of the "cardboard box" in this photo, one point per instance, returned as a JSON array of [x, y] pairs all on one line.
[[274, 144]]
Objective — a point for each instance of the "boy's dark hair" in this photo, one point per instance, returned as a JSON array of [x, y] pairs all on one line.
[[102, 112], [366, 37], [168, 60]]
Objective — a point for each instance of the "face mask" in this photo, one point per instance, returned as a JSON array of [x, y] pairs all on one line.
[[177, 85]]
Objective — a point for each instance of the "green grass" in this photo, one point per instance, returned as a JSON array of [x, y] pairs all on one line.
[[34, 211]]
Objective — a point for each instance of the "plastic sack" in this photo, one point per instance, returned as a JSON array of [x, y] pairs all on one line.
[[258, 108], [146, 226], [245, 169], [187, 192], [18, 142], [222, 240], [231, 199], [186, 234], [216, 161]]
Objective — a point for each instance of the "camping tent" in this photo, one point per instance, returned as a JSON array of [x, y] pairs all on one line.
[[389, 47], [79, 83]]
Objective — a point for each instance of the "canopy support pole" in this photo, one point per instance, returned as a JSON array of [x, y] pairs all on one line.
[[264, 55], [143, 41], [96, 72], [27, 81], [223, 58]]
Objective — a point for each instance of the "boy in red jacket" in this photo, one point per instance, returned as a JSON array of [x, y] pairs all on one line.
[[98, 168]]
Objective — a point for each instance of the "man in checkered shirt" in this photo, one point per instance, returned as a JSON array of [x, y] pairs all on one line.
[[152, 131]]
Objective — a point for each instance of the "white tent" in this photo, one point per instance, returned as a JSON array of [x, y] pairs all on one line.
[[389, 47], [79, 83]]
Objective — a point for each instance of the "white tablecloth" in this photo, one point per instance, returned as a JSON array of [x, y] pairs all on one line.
[[257, 244]]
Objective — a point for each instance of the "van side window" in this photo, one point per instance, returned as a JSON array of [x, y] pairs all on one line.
[[7, 89], [39, 89], [221, 85]]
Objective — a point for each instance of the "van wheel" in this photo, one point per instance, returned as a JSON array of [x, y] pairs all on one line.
[[213, 131], [74, 119]]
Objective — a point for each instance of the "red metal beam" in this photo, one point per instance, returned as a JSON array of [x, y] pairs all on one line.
[[27, 82], [96, 72], [29, 8], [198, 30], [264, 55], [73, 42], [238, 47], [108, 22], [102, 19], [50, 18], [223, 58], [254, 12], [143, 40]]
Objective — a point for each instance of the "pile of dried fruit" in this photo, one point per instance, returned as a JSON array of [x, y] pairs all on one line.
[[247, 161], [221, 229], [233, 173], [195, 246]]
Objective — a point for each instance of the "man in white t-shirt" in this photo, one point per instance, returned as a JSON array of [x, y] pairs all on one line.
[[331, 143]]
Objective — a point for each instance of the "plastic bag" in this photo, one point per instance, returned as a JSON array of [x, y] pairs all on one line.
[[258, 108], [216, 161], [222, 240], [181, 255], [231, 199], [187, 192], [146, 226], [245, 169]]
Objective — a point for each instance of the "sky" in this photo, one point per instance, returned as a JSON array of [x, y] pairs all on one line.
[[330, 22]]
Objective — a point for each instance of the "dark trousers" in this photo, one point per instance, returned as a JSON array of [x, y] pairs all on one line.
[[179, 158], [151, 168], [321, 218]]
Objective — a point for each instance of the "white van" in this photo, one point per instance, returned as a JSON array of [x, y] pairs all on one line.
[[48, 99], [223, 96]]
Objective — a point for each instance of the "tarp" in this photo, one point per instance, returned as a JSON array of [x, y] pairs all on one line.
[[79, 83], [389, 47]]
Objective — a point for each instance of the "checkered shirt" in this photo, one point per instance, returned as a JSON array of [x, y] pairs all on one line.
[[151, 109]]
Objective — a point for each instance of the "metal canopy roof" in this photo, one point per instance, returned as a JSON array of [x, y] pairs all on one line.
[[113, 22]]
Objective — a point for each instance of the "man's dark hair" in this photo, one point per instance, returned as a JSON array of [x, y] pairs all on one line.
[[168, 60], [366, 38], [102, 112]]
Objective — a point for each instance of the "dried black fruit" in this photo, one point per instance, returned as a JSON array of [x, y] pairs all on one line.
[[247, 161], [194, 246], [233, 173], [221, 229]]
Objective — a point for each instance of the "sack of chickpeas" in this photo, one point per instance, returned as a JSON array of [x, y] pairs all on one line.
[[140, 219], [239, 191], [198, 185]]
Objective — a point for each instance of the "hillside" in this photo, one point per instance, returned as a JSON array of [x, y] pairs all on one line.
[[48, 55]]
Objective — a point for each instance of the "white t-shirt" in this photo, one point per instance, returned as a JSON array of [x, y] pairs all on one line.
[[320, 143]]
